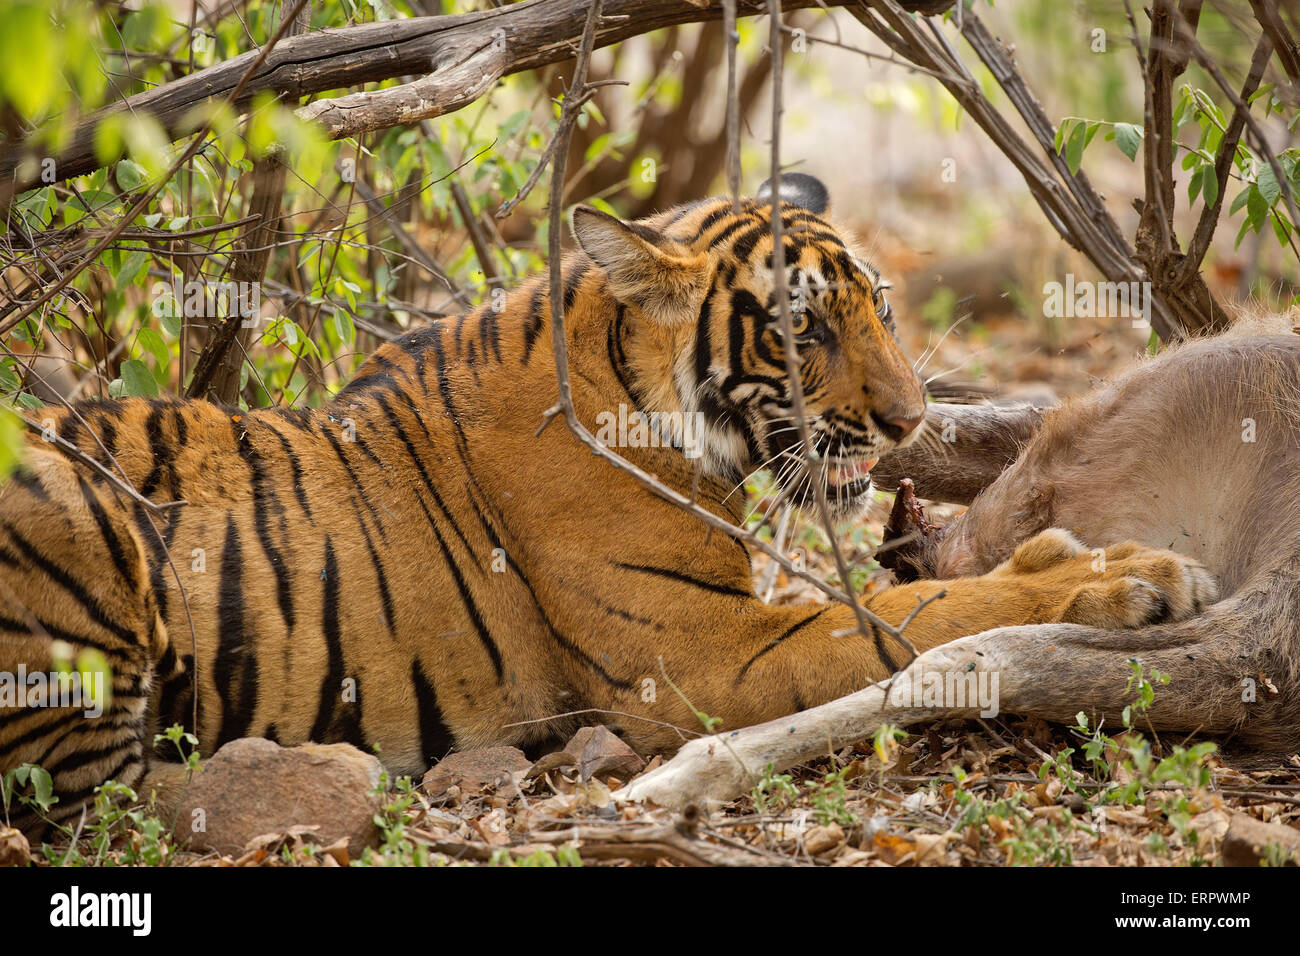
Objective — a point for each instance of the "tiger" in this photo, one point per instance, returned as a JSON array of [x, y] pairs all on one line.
[[413, 568]]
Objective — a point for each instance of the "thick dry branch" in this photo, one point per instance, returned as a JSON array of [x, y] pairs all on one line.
[[457, 56]]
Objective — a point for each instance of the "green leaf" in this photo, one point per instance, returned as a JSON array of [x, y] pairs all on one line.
[[1256, 207], [137, 380], [1074, 147], [29, 49], [1128, 138], [43, 788], [13, 442], [513, 125], [1194, 186], [1241, 234], [1240, 201], [1209, 185], [1262, 91], [152, 342], [1281, 230], [131, 269], [1061, 132], [1268, 185], [130, 175], [343, 327]]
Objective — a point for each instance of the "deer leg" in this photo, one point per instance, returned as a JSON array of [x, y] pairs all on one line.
[[962, 450], [1052, 671]]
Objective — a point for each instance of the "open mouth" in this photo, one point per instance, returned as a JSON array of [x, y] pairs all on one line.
[[840, 474]]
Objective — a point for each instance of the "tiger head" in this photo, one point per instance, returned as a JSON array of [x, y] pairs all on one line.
[[699, 330]]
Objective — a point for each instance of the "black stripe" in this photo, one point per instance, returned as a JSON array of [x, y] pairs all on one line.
[[46, 726], [74, 588], [617, 357], [115, 653], [332, 683], [568, 646], [80, 758], [23, 477], [158, 544], [126, 566], [703, 342], [361, 442], [295, 466], [730, 230], [390, 616], [487, 332], [162, 452], [878, 637], [396, 424], [744, 245], [571, 283], [352, 476], [176, 700], [71, 800], [436, 738], [264, 501], [533, 321], [182, 430], [416, 345], [686, 579], [108, 439], [713, 218], [793, 629], [466, 597], [235, 669]]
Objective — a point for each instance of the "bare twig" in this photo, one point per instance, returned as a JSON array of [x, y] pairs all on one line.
[[149, 195], [731, 38], [1205, 227]]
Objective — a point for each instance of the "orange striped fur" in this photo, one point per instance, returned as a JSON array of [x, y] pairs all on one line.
[[411, 569]]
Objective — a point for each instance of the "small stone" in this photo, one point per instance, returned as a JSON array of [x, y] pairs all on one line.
[[253, 787], [600, 753], [474, 771], [823, 839], [1248, 841], [14, 848]]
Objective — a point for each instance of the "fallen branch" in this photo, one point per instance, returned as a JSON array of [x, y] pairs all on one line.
[[458, 57]]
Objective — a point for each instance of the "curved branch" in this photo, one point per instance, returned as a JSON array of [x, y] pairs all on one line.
[[459, 57]]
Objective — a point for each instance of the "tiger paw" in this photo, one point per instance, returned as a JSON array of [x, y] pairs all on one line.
[[1122, 585], [1125, 585]]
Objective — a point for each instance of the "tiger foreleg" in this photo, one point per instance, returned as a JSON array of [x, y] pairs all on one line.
[[1053, 671]]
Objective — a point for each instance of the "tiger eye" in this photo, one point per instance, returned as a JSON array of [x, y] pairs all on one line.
[[799, 322]]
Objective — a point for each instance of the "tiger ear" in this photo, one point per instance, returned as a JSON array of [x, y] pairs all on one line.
[[642, 268]]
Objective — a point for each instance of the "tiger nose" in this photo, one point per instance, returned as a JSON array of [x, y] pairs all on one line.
[[897, 423]]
